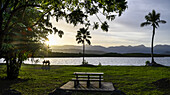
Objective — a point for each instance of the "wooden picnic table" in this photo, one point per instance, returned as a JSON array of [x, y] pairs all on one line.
[[87, 76]]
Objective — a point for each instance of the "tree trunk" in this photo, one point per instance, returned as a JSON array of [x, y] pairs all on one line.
[[152, 46], [20, 59], [12, 68], [1, 32], [1, 42], [83, 52], [13, 72], [7, 65]]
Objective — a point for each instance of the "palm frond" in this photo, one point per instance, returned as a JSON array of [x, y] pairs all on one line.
[[82, 36], [79, 42], [147, 17], [150, 16], [153, 12], [162, 21], [156, 24], [88, 41], [89, 37], [157, 16], [87, 33], [145, 24], [78, 36], [78, 39]]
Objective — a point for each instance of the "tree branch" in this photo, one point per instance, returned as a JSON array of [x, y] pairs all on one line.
[[98, 18], [1, 13], [5, 6], [42, 16], [14, 11]]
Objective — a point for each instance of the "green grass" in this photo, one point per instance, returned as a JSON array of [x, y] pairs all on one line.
[[130, 79]]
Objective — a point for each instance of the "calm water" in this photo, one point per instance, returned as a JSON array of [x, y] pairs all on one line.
[[128, 61]]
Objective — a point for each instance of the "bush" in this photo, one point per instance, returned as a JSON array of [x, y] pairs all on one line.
[[85, 62], [147, 63], [100, 64]]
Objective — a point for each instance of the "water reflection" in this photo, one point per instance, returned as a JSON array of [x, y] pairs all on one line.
[[118, 61]]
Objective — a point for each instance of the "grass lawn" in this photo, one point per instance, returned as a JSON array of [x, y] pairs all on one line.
[[131, 80]]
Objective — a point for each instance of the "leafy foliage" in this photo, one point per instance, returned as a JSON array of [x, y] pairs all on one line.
[[35, 15], [104, 26], [83, 35], [153, 19], [25, 24]]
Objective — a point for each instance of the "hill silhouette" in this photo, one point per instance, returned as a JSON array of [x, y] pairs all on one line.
[[158, 49]]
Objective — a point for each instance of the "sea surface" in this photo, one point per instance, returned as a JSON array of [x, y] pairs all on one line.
[[112, 61]]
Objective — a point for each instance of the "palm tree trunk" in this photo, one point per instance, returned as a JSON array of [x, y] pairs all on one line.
[[83, 52], [152, 45]]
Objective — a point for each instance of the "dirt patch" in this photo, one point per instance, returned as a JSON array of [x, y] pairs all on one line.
[[5, 85]]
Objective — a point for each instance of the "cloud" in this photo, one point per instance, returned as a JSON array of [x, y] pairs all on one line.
[[125, 30]]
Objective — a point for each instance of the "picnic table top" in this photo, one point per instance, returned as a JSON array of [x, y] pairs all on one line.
[[88, 73]]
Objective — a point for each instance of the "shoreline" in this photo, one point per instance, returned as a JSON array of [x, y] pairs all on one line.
[[89, 66], [93, 56]]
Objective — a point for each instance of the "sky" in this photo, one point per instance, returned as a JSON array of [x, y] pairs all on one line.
[[124, 30]]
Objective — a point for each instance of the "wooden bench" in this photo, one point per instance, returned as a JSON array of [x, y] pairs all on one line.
[[87, 76]]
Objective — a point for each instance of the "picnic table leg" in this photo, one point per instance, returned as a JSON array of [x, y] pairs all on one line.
[[76, 82], [99, 81], [88, 81]]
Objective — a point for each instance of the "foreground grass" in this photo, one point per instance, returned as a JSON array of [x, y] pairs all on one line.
[[130, 79]]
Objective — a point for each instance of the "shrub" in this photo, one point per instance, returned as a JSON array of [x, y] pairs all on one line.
[[100, 64], [147, 63], [85, 62]]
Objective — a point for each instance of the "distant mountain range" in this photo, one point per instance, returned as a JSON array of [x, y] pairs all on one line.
[[158, 49]]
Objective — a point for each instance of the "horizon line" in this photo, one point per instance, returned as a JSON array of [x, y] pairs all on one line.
[[112, 46]]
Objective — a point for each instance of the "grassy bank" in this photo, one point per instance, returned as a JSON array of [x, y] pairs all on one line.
[[132, 80]]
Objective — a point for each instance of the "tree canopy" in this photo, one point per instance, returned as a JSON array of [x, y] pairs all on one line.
[[38, 13], [25, 24], [153, 19], [73, 11]]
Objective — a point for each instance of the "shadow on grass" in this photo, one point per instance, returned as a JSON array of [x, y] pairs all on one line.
[[162, 83], [65, 92], [5, 86], [86, 65]]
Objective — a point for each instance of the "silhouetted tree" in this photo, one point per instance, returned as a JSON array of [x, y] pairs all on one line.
[[30, 21], [153, 19], [83, 36]]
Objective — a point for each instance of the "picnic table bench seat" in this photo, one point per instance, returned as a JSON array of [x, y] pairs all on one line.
[[87, 76], [74, 79]]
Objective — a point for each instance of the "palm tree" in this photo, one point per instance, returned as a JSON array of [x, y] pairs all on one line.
[[82, 36], [153, 19]]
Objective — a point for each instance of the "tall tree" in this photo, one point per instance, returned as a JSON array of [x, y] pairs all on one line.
[[24, 16], [83, 36], [20, 43], [153, 19]]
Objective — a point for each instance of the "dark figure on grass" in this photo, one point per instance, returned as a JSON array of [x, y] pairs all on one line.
[[46, 62], [46, 65]]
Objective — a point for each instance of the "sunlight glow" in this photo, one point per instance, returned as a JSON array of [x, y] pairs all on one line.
[[52, 40], [47, 42]]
